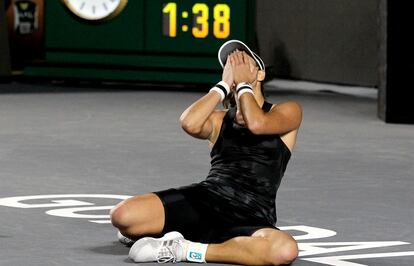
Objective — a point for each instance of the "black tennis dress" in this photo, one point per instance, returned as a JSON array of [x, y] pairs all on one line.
[[238, 196]]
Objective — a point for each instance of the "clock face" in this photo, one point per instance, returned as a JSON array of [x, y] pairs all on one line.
[[95, 9]]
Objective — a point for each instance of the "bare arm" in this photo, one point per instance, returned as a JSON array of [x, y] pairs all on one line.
[[281, 119], [198, 119]]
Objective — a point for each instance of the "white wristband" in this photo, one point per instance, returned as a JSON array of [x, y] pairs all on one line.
[[242, 88], [221, 88], [225, 86], [219, 91]]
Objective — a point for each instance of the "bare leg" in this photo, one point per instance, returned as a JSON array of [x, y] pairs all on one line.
[[139, 216], [144, 215], [265, 247]]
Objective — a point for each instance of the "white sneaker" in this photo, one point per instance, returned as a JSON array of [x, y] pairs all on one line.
[[125, 240], [168, 248]]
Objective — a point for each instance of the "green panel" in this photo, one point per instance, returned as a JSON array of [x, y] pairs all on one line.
[[185, 42], [135, 45], [123, 33], [125, 60], [122, 75]]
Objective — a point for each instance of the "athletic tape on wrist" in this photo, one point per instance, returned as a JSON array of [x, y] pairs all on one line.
[[243, 88], [222, 88]]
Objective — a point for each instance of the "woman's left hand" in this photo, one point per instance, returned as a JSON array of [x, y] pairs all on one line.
[[242, 70]]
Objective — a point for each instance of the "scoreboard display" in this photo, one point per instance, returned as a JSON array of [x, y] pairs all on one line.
[[141, 40]]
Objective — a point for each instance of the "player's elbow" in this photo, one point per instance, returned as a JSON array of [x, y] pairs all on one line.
[[189, 126], [191, 130], [256, 127]]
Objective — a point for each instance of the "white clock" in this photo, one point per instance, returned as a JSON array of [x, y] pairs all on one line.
[[96, 9]]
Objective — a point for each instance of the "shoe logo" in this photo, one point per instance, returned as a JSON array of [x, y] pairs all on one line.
[[195, 255]]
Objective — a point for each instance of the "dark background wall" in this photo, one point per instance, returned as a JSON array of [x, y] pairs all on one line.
[[335, 41], [396, 95], [4, 44]]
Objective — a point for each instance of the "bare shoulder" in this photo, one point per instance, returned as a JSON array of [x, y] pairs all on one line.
[[290, 110], [217, 118], [291, 107]]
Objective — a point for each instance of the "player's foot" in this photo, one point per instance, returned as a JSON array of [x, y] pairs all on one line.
[[169, 248], [125, 240]]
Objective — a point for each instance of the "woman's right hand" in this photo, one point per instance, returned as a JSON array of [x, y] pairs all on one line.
[[228, 75]]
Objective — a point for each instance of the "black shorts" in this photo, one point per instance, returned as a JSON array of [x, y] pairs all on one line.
[[197, 215]]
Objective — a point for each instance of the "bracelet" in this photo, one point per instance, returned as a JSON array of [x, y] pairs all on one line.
[[243, 88], [221, 88]]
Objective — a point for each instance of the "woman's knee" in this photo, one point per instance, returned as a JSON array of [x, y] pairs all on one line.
[[120, 216], [139, 215], [282, 247], [289, 252], [284, 251]]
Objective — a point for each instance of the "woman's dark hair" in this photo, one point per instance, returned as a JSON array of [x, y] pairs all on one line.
[[230, 101]]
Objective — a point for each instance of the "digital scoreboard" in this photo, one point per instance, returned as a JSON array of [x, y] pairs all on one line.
[[200, 20], [141, 40]]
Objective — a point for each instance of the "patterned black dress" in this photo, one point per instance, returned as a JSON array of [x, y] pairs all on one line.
[[238, 196]]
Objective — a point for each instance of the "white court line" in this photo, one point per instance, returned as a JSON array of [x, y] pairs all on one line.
[[340, 260]]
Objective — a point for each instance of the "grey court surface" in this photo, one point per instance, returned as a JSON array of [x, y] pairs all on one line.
[[68, 156]]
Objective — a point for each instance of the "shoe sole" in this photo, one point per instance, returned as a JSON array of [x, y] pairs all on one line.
[[125, 240]]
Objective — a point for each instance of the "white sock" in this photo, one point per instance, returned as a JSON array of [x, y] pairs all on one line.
[[195, 252]]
